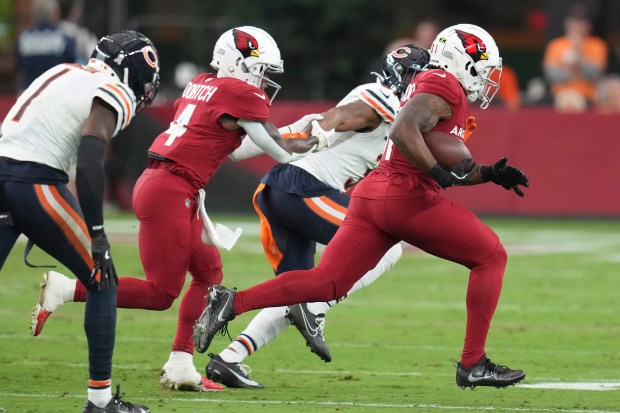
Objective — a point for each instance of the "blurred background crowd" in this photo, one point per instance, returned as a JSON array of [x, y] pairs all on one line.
[[563, 55], [557, 52]]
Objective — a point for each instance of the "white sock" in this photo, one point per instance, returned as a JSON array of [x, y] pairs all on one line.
[[387, 261], [320, 307], [180, 357], [234, 353], [100, 397], [68, 292], [264, 327]]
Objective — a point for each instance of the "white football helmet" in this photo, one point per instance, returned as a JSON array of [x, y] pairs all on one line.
[[469, 53], [247, 53]]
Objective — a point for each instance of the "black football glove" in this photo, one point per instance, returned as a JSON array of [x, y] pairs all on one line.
[[505, 175], [100, 248], [453, 177]]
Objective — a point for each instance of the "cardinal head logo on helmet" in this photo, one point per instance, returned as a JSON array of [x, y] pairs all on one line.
[[245, 43], [474, 46]]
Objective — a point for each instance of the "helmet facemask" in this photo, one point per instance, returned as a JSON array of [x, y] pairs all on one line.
[[490, 83], [261, 73]]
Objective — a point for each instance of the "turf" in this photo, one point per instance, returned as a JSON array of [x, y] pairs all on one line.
[[393, 344]]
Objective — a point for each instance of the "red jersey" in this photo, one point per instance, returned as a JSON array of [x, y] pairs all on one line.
[[436, 82], [196, 141]]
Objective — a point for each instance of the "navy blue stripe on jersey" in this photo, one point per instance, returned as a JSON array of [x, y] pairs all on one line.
[[386, 105], [119, 108], [129, 94], [295, 180], [31, 172], [125, 88], [37, 92]]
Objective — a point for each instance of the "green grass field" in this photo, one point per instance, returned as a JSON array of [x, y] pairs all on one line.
[[393, 344]]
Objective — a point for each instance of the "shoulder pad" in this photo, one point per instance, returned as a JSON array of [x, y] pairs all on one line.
[[380, 98]]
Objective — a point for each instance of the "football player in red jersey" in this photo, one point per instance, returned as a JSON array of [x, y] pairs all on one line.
[[303, 203], [212, 115], [401, 200]]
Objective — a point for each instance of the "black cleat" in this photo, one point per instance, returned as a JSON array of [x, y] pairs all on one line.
[[311, 328], [116, 405], [487, 373], [215, 317], [233, 375]]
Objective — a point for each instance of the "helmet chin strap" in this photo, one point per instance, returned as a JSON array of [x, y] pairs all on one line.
[[472, 96]]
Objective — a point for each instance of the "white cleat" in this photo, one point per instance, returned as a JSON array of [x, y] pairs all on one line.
[[185, 377], [53, 285]]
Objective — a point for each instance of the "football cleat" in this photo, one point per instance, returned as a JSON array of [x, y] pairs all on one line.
[[487, 373], [234, 375], [185, 377], [51, 297], [116, 405], [215, 317], [311, 328]]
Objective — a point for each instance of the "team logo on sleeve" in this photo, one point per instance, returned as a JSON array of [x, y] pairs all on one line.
[[245, 43], [474, 46]]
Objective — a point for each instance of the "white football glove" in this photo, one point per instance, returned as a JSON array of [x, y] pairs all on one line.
[[322, 135], [300, 124]]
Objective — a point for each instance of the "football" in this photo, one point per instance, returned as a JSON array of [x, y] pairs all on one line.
[[447, 149]]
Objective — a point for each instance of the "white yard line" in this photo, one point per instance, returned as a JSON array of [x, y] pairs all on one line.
[[428, 406]]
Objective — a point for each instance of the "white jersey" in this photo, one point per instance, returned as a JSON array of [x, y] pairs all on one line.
[[45, 124], [352, 155]]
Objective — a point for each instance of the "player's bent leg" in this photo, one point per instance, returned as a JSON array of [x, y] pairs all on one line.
[[447, 230], [179, 372], [206, 270], [483, 292], [56, 289]]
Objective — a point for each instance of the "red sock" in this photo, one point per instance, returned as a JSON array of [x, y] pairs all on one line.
[[483, 291]]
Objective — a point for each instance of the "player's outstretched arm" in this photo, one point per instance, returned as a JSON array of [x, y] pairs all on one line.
[[292, 138], [353, 116], [269, 140]]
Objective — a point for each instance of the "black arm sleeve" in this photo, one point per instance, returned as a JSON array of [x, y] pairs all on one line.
[[89, 181]]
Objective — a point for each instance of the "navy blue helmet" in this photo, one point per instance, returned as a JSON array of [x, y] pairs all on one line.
[[133, 58], [401, 65]]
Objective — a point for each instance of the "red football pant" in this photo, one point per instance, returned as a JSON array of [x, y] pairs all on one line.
[[430, 222], [170, 246]]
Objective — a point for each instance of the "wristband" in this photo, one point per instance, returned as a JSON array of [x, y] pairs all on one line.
[[486, 173], [441, 176]]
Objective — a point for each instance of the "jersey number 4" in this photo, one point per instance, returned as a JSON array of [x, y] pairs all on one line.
[[179, 125]]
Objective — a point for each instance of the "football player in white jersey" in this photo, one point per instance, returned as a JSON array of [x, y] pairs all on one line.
[[67, 117], [305, 201]]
